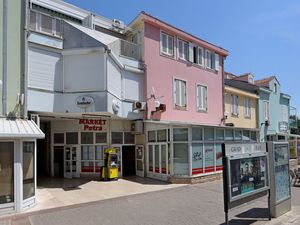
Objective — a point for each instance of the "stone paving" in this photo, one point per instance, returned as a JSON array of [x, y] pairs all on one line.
[[199, 204]]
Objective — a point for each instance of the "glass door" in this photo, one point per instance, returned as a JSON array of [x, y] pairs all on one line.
[[158, 159], [71, 164], [139, 151], [6, 174]]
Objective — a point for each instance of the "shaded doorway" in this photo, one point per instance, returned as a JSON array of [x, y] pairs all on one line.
[[43, 151], [128, 160], [58, 164]]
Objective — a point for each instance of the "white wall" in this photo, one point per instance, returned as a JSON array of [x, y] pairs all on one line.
[[44, 69], [84, 72], [133, 86], [114, 78]]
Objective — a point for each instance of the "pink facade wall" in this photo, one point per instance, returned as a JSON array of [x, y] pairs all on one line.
[[161, 71]]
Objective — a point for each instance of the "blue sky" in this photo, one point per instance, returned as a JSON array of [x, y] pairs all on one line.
[[263, 37]]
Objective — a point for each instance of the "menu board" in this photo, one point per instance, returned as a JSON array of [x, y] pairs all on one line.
[[248, 175], [282, 179]]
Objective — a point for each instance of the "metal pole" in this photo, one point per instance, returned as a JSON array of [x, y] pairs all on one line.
[[269, 203], [4, 59]]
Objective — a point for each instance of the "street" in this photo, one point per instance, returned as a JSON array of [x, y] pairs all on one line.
[[199, 204]]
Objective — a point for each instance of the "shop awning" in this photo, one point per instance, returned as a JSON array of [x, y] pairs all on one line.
[[19, 128]]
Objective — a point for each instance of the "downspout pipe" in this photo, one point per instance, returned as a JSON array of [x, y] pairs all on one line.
[[4, 58]]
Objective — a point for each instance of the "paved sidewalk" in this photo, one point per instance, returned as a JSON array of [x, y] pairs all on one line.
[[199, 204]]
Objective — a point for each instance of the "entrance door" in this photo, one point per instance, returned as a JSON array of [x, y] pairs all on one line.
[[71, 164], [128, 160], [158, 160], [6, 174], [139, 152]]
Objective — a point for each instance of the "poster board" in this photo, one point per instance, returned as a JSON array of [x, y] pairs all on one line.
[[245, 172]]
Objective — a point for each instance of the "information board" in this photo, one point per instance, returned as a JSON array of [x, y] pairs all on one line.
[[282, 181]]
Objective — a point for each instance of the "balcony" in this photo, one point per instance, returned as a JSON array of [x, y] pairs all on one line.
[[126, 49]]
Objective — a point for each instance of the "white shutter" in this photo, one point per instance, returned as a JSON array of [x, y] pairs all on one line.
[[198, 97], [205, 106], [285, 116], [191, 52], [176, 94], [217, 62], [237, 105], [183, 93]]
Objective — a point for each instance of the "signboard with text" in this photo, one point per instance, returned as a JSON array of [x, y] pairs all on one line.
[[93, 124]]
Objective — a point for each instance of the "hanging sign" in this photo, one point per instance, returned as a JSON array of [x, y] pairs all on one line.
[[84, 101]]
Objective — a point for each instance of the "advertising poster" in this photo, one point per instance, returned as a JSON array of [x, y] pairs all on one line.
[[282, 179], [247, 175]]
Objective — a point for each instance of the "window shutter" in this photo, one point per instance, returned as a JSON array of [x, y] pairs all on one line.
[[237, 105], [177, 92], [170, 45], [205, 106], [217, 62], [213, 61], [198, 96], [191, 52], [183, 93]]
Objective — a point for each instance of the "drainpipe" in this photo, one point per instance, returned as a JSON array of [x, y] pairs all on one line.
[[25, 57], [4, 58]]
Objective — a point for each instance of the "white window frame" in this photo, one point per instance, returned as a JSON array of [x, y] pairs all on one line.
[[266, 109], [180, 105], [184, 55], [168, 51], [247, 107], [202, 56], [235, 105], [204, 107]]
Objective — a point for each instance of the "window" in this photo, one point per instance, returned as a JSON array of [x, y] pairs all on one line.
[[117, 137], [219, 134], [128, 138], [161, 135], [266, 110], [275, 88], [167, 44], [210, 60], [247, 107], [28, 170], [44, 23], [72, 138], [285, 113], [152, 136], [180, 134], [200, 56], [201, 98], [234, 105], [87, 159], [87, 138], [209, 134], [180, 160], [183, 50], [101, 138], [180, 93], [58, 138], [197, 134]]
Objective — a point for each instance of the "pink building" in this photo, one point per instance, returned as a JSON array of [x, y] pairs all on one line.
[[183, 72]]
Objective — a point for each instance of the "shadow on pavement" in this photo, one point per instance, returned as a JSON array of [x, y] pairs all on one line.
[[144, 180], [256, 213], [240, 222]]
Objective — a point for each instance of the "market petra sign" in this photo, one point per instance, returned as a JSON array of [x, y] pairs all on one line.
[[84, 101], [93, 124]]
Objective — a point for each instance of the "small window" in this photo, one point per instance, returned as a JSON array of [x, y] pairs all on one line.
[[200, 56], [117, 137], [101, 138], [180, 134], [33, 21], [183, 50], [246, 135], [275, 88], [201, 98], [253, 136], [247, 107], [72, 138], [234, 105], [128, 138], [197, 134], [87, 152], [238, 135], [58, 138], [209, 134], [161, 135], [220, 134], [152, 136], [167, 44], [179, 93], [87, 138], [46, 24], [210, 60], [266, 110], [229, 135]]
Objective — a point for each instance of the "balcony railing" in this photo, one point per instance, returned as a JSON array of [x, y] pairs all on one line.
[[126, 48]]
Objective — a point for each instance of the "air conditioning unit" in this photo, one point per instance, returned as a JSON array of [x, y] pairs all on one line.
[[137, 127], [35, 118], [141, 106], [118, 24]]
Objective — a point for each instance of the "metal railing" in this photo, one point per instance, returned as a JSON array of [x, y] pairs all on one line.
[[126, 48]]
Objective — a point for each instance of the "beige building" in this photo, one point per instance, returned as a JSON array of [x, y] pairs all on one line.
[[241, 102]]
